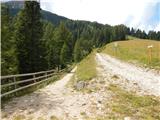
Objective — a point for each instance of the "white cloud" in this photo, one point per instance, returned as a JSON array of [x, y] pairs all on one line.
[[158, 27], [130, 12]]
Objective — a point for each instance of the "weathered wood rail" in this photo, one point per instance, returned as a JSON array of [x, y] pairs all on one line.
[[14, 83]]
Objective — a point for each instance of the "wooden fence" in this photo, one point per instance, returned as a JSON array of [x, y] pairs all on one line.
[[14, 83]]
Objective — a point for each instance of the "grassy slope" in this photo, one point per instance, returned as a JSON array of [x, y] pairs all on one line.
[[86, 69], [136, 51], [132, 51]]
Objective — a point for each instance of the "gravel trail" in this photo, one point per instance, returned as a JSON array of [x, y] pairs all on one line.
[[66, 103], [147, 80], [56, 100], [53, 100]]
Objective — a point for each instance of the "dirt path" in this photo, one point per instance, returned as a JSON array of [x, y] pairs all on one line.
[[149, 82], [66, 103], [55, 100], [42, 104]]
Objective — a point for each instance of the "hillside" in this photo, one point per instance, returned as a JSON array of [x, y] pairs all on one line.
[[100, 87], [81, 37], [55, 68], [79, 25], [16, 6], [136, 51]]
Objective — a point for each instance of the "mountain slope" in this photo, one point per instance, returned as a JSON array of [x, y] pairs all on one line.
[[16, 6]]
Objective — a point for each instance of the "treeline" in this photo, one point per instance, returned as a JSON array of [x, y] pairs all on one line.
[[31, 44], [142, 34]]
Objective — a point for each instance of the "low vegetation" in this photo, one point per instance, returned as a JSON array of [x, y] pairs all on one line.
[[129, 37], [129, 104], [86, 69], [19, 117], [53, 118], [136, 51]]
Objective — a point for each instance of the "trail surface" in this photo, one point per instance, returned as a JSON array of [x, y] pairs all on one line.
[[146, 80], [66, 103], [55, 100], [45, 103]]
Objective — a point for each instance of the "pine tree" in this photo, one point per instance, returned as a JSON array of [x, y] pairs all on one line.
[[158, 35], [48, 38], [65, 55], [61, 35], [30, 51], [8, 56], [77, 51]]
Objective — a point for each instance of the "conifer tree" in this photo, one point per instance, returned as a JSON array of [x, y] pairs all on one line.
[[77, 51], [30, 52], [61, 35], [48, 38], [65, 55], [8, 56]]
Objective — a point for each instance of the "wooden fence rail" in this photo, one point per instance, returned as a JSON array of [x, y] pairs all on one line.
[[13, 83]]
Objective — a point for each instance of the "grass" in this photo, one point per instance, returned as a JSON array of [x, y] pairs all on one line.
[[135, 51], [19, 117], [86, 69], [53, 118], [129, 104], [129, 37], [83, 113]]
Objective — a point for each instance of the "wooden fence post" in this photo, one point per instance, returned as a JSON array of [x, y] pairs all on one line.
[[116, 48], [34, 76], [46, 75], [150, 53], [15, 86], [159, 50]]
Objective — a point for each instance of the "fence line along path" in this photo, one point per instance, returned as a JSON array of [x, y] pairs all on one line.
[[13, 83]]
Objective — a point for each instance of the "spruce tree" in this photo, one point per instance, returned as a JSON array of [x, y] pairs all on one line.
[[8, 56], [48, 38], [61, 35], [30, 52], [77, 51], [65, 55]]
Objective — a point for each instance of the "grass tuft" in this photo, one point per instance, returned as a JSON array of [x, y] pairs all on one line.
[[53, 118], [19, 117]]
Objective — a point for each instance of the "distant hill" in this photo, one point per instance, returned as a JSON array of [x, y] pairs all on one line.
[[16, 6], [53, 18]]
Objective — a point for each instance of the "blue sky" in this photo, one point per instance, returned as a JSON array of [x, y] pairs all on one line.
[[143, 14]]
